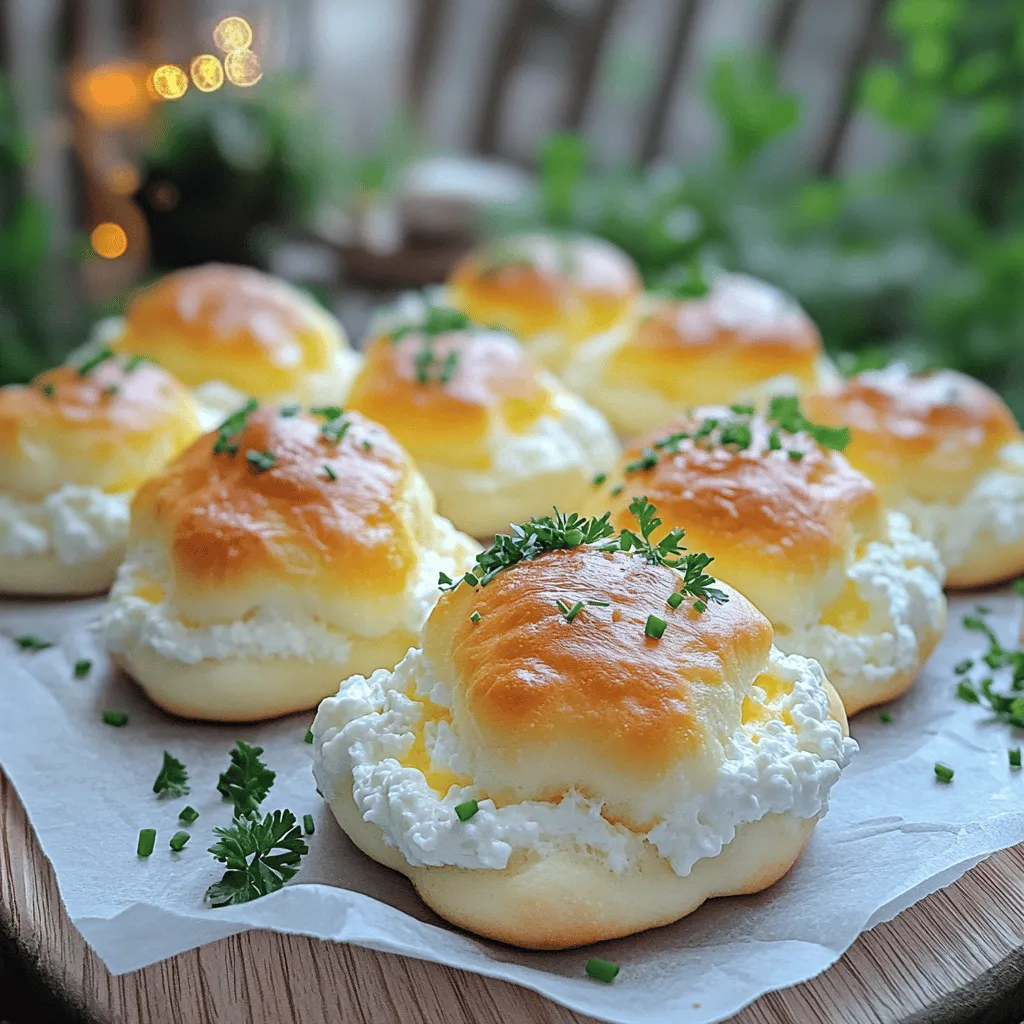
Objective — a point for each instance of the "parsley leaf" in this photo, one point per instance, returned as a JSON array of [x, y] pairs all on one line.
[[785, 411], [247, 846], [247, 780], [435, 320], [172, 779]]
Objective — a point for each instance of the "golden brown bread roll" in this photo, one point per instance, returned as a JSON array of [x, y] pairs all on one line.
[[273, 558], [801, 533], [74, 446], [943, 449], [551, 776], [551, 291], [742, 342], [497, 438]]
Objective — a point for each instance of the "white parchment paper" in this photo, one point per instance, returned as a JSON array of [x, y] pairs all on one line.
[[894, 834]]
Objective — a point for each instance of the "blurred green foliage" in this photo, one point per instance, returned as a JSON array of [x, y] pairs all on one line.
[[922, 260]]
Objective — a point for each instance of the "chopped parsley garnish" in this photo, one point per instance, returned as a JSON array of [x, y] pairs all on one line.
[[247, 780], [435, 320], [885, 717], [655, 627], [648, 459], [172, 779], [674, 600], [93, 361], [49, 390], [331, 475], [467, 809], [115, 718], [617, 490], [785, 411], [178, 841], [963, 666], [1007, 707], [233, 425], [599, 479], [328, 412], [248, 848], [260, 461], [795, 455], [188, 815], [82, 668], [367, 445], [475, 617], [287, 411], [1014, 755], [943, 772], [967, 693], [309, 735], [308, 826], [569, 613], [147, 842], [32, 643], [601, 970]]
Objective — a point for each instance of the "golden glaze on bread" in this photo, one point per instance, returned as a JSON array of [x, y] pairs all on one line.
[[925, 436], [449, 422], [527, 677], [532, 284], [233, 324], [107, 428]]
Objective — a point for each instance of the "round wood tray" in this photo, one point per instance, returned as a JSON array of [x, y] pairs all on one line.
[[956, 956]]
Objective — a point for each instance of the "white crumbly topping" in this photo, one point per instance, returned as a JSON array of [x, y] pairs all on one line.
[[77, 524], [991, 513], [900, 582], [768, 768], [266, 632]]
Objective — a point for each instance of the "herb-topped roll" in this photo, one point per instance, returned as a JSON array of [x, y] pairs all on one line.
[[497, 438], [231, 332], [742, 341], [945, 450], [594, 739], [551, 291], [273, 557], [802, 534], [74, 446]]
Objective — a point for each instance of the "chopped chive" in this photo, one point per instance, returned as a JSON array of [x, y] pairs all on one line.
[[309, 735], [1018, 587], [335, 430], [49, 390], [655, 627], [115, 718], [367, 445], [600, 604], [675, 600], [471, 579], [742, 410], [331, 475], [1014, 754], [147, 841], [885, 717], [178, 841], [648, 460], [774, 441], [617, 490], [260, 461], [329, 412], [475, 617], [188, 814], [307, 824], [601, 970], [967, 693], [136, 361], [33, 643], [444, 580], [963, 666], [448, 368], [467, 809], [570, 613], [795, 455], [599, 479], [90, 364], [82, 668], [699, 606], [288, 411], [943, 772]]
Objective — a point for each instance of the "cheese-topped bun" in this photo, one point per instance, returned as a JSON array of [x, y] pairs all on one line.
[[570, 758], [744, 341], [551, 291], [274, 557], [233, 331], [802, 534], [74, 446], [945, 450], [497, 438]]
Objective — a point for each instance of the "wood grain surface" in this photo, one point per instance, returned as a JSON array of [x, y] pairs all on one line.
[[956, 956]]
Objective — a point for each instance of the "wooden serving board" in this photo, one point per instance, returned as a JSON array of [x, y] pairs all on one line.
[[956, 956]]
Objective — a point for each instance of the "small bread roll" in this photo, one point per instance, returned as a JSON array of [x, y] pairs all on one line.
[[497, 438], [620, 780], [273, 558], [74, 446], [552, 292], [233, 331], [802, 534], [742, 342], [943, 449]]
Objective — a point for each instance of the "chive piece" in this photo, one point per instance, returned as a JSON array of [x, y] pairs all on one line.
[[82, 668], [147, 841], [90, 364], [1014, 755], [329, 412], [885, 717], [260, 461], [795, 455], [466, 810], [188, 814], [471, 579], [178, 841], [617, 490], [600, 604], [943, 772], [475, 617], [49, 390], [115, 718], [774, 441], [367, 446], [601, 970], [700, 607], [33, 643], [599, 479], [136, 361], [964, 666], [742, 410], [288, 411], [655, 627], [1018, 587], [309, 735], [307, 824], [967, 693], [675, 600], [448, 367], [572, 612], [331, 475]]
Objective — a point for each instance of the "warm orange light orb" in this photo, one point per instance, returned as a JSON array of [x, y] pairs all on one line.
[[242, 68], [207, 73], [232, 33], [123, 179], [112, 95], [169, 82], [108, 240]]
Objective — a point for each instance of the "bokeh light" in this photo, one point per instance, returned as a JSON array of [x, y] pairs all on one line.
[[242, 68], [207, 73], [232, 33], [169, 82], [112, 95], [108, 240], [123, 179]]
